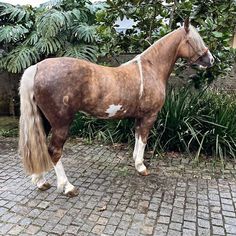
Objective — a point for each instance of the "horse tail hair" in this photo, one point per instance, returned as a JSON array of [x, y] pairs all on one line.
[[32, 141]]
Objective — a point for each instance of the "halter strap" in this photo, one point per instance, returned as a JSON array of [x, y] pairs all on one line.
[[194, 58]]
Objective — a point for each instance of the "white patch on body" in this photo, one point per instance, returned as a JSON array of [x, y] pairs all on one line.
[[113, 109], [62, 180], [38, 179], [140, 167]]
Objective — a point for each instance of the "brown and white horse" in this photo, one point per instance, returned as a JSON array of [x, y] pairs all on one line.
[[53, 90]]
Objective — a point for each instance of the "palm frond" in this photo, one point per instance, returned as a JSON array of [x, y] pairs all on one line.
[[49, 45], [52, 22], [85, 32], [83, 51], [12, 33], [21, 58]]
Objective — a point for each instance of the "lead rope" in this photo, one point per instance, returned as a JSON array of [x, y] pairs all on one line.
[[138, 59]]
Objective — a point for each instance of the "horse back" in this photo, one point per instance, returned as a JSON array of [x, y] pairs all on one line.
[[67, 85]]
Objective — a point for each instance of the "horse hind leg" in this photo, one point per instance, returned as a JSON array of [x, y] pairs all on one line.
[[58, 139], [40, 181]]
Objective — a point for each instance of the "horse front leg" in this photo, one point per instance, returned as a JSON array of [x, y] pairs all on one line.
[[142, 130], [59, 136]]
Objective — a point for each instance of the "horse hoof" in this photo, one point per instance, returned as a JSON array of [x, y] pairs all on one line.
[[72, 193], [45, 187], [144, 173]]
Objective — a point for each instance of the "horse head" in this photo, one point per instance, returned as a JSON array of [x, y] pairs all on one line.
[[193, 47]]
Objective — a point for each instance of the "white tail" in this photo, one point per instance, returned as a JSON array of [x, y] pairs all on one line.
[[32, 142]]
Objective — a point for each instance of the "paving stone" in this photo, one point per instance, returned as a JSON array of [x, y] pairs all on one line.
[[32, 229], [204, 223], [189, 232], [43, 205], [113, 204], [218, 230], [175, 226], [147, 230], [172, 232], [203, 231], [231, 229], [16, 230]]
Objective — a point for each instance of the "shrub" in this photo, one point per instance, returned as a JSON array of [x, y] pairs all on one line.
[[189, 121]]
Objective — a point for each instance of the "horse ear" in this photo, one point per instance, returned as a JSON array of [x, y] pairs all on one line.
[[186, 24]]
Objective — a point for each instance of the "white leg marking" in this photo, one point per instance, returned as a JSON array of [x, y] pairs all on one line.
[[38, 179], [62, 180], [140, 167], [135, 146]]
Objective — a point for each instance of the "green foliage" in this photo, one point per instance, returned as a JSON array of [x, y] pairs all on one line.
[[15, 13], [189, 121], [28, 35], [153, 19], [88, 52], [21, 57]]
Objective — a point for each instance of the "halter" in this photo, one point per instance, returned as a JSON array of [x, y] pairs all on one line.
[[194, 58]]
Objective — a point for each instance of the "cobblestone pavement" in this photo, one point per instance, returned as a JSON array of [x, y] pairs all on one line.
[[176, 199]]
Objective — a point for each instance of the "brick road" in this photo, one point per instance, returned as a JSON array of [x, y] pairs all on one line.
[[176, 199]]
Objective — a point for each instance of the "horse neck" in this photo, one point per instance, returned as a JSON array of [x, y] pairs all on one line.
[[163, 54]]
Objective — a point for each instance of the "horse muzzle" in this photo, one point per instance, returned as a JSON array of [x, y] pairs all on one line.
[[206, 60]]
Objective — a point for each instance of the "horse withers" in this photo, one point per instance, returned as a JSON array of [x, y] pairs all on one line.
[[53, 90]]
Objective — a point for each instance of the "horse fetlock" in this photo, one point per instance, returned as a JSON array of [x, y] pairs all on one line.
[[38, 179], [140, 167], [69, 188], [61, 185]]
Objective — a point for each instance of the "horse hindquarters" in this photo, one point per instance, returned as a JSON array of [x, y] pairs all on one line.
[[32, 141]]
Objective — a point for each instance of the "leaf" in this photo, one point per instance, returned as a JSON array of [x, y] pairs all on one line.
[[217, 34], [83, 51], [15, 13], [51, 23], [49, 45], [32, 39], [12, 33], [21, 58], [85, 32]]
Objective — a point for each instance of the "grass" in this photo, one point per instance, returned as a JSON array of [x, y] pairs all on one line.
[[8, 126]]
